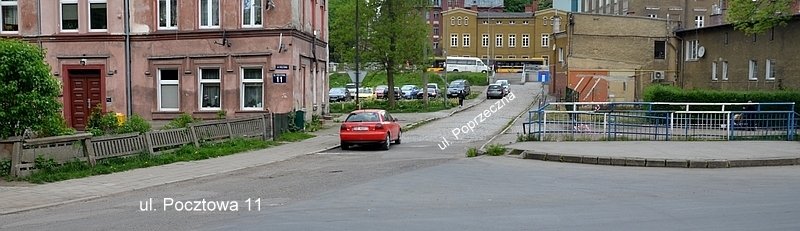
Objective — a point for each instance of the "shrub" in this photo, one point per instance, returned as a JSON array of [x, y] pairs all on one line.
[[134, 124], [658, 93], [374, 79], [101, 124], [472, 152], [56, 125], [181, 121], [28, 92], [5, 167], [401, 106]]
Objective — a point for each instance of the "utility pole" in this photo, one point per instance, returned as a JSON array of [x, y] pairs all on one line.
[[358, 58], [425, 58]]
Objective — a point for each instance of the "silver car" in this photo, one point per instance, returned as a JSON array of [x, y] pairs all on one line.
[[495, 91], [505, 85]]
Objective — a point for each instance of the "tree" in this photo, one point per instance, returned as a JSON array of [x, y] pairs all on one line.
[[393, 33], [27, 90], [342, 30], [519, 5], [757, 16]]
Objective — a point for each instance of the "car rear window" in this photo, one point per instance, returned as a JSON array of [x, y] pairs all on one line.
[[494, 87], [363, 117]]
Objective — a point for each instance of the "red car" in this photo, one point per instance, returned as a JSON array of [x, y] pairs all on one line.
[[370, 126]]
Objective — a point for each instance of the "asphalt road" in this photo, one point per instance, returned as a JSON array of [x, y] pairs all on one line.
[[417, 186]]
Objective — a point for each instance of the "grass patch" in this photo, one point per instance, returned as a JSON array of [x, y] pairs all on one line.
[[473, 95], [527, 137], [295, 136], [79, 169], [401, 106], [472, 152], [496, 150], [374, 79], [416, 125]]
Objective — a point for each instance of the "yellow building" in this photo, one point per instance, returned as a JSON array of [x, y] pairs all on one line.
[[497, 35]]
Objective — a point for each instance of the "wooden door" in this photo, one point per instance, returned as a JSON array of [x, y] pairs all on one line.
[[85, 93]]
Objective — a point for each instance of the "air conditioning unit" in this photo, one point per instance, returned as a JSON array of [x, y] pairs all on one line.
[[658, 75]]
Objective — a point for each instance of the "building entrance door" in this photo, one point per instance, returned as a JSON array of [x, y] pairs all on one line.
[[85, 91]]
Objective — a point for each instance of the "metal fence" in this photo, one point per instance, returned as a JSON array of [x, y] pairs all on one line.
[[559, 121]]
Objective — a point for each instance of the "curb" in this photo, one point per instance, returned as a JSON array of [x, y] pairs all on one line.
[[50, 205], [508, 127], [660, 162]]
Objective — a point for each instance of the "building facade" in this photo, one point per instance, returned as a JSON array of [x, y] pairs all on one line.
[[612, 58], [689, 14], [186, 56], [436, 20], [493, 35], [722, 58]]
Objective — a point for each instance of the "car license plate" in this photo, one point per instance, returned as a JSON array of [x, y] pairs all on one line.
[[360, 128]]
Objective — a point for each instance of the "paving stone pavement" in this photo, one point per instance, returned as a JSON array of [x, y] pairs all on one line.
[[524, 95], [17, 199]]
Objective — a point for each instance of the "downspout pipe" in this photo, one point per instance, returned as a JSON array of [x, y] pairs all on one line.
[[314, 71], [39, 22], [128, 94]]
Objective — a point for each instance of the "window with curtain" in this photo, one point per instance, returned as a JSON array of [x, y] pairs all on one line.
[[69, 15], [251, 13], [167, 14], [210, 88], [209, 13], [526, 40], [252, 88], [98, 16], [168, 90], [9, 16]]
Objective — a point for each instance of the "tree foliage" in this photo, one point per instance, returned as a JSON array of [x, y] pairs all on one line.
[[27, 90], [393, 33], [756, 17], [519, 5]]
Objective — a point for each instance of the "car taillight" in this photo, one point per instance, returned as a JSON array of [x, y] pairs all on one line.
[[344, 127], [379, 126]]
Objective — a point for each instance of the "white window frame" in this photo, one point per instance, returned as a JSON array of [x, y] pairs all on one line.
[[714, 71], [210, 14], [168, 82], [498, 40], [512, 23], [770, 72], [691, 50], [652, 15], [2, 28], [485, 40], [752, 74], [466, 21], [525, 22], [526, 57], [89, 15], [546, 59], [452, 21], [485, 22], [512, 40], [699, 21], [512, 56], [724, 70], [465, 40], [498, 22], [560, 54], [246, 81], [544, 20], [552, 20], [526, 40], [168, 16], [252, 15], [209, 81], [453, 40], [459, 21], [545, 40], [61, 15]]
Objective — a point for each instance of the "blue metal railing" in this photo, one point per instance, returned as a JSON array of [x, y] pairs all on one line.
[[663, 121]]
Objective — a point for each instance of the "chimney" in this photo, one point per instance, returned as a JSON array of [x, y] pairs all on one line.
[[474, 6], [533, 7]]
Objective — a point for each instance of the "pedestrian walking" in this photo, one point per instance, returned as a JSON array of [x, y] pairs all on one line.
[[750, 116], [461, 96]]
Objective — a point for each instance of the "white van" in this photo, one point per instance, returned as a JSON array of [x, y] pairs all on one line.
[[465, 64]]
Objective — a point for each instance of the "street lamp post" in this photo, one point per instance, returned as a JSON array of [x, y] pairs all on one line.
[[489, 31], [358, 59]]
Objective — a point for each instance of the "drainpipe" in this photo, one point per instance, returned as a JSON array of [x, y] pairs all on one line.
[[39, 22], [128, 94], [314, 71]]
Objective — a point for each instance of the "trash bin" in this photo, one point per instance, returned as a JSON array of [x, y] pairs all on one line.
[[300, 120], [120, 119]]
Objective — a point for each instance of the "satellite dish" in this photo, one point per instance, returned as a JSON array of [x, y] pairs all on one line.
[[701, 51]]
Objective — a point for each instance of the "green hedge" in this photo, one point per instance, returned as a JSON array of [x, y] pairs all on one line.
[[401, 106], [379, 78], [658, 93]]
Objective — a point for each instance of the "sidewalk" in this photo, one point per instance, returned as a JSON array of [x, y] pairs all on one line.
[[18, 199], [680, 154]]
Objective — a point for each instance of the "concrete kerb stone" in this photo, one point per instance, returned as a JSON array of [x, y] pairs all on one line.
[[717, 163], [780, 161], [603, 160], [552, 157], [676, 163], [637, 162], [571, 159], [698, 164], [655, 163], [589, 159], [618, 161], [534, 155]]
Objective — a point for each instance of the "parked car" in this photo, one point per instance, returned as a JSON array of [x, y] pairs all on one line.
[[380, 91], [365, 93], [339, 94], [506, 86], [397, 93], [495, 91], [456, 86], [351, 87], [433, 91], [409, 91], [370, 126]]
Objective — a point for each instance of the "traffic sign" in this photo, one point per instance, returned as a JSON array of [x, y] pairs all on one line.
[[361, 75]]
